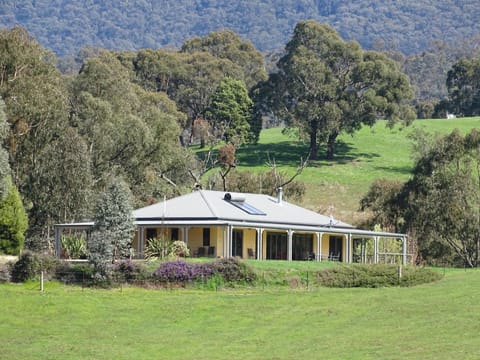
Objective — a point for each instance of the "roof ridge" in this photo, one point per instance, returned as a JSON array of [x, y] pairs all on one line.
[[210, 206]]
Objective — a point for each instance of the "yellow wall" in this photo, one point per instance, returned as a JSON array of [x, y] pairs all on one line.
[[195, 240]]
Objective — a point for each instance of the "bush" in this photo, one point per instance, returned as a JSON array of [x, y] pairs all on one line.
[[26, 267], [229, 270], [378, 275], [129, 271], [177, 271], [74, 245], [157, 248], [233, 270], [29, 265], [179, 249]]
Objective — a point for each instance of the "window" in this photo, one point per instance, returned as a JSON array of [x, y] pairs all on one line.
[[151, 233], [174, 234], [206, 236]]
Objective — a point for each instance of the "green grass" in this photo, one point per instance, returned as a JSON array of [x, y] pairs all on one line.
[[371, 153], [435, 321]]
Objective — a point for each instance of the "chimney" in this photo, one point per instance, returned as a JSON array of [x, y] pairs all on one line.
[[280, 195]]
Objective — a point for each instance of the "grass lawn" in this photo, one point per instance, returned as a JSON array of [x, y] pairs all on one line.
[[435, 321], [371, 153]]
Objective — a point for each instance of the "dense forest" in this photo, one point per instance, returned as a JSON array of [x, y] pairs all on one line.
[[426, 36], [409, 26]]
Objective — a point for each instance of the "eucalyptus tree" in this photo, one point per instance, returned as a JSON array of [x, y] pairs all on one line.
[[326, 86], [442, 200], [37, 109], [128, 131], [225, 44], [463, 84]]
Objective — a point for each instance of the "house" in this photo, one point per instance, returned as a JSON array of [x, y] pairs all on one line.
[[223, 224]]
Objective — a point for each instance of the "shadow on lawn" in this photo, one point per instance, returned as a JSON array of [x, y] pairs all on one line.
[[290, 152]]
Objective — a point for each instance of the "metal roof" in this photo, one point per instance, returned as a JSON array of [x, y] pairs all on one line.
[[211, 205], [206, 207]]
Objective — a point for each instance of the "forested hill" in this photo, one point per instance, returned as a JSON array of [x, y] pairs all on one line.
[[409, 26]]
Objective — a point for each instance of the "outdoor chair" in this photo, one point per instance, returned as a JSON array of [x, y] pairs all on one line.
[[251, 253], [211, 251], [201, 251]]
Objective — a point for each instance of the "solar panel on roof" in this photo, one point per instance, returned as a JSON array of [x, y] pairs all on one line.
[[249, 209]]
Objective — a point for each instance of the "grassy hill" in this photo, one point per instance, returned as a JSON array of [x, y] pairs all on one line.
[[371, 153]]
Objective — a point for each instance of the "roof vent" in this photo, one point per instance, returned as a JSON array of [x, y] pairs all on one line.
[[279, 195]]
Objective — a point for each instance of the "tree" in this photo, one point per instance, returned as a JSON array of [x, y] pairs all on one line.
[[463, 84], [202, 73], [37, 109], [225, 44], [382, 200], [129, 131], [113, 227], [230, 111], [441, 203], [326, 86], [13, 222]]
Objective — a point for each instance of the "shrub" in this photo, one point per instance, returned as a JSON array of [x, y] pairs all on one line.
[[177, 271], [378, 275], [128, 270], [29, 265], [26, 267], [233, 270], [74, 245], [179, 249], [157, 248], [75, 273]]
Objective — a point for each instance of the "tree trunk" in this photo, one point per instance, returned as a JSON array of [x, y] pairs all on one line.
[[313, 150], [332, 138]]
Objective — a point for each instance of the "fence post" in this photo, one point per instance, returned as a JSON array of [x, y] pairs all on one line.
[[41, 281]]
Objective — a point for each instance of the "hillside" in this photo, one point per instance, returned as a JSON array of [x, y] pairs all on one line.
[[409, 26], [370, 154]]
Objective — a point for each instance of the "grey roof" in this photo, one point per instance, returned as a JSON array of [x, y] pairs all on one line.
[[210, 205]]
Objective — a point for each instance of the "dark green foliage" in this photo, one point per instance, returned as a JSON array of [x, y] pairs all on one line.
[[409, 26], [463, 84], [71, 273], [442, 200], [29, 265], [230, 112], [382, 200], [378, 275], [13, 222]]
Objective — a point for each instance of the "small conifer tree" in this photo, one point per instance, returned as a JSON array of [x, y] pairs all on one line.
[[13, 222], [113, 229]]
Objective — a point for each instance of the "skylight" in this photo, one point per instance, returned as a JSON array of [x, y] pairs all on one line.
[[242, 205]]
